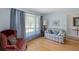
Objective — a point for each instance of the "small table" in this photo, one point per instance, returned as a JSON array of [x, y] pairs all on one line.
[[76, 30]]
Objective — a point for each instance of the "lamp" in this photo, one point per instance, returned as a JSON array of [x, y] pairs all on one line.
[[45, 24]]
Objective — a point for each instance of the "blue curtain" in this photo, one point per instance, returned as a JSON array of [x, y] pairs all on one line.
[[13, 19], [17, 22]]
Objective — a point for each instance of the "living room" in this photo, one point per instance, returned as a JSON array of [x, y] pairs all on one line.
[[39, 28]]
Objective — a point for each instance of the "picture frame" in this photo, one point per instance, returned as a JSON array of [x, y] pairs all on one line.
[[75, 21]]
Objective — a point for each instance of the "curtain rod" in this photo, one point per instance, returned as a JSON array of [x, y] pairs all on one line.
[[23, 11]]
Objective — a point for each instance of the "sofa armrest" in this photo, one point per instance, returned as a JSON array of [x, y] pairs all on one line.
[[61, 34]]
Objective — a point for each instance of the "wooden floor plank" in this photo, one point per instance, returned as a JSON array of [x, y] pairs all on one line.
[[43, 44]]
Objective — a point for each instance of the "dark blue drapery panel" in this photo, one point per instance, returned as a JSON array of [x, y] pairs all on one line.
[[17, 22]]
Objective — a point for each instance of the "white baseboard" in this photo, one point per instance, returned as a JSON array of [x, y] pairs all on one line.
[[72, 37]]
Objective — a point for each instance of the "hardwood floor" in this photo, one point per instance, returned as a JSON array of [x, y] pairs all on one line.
[[43, 44]]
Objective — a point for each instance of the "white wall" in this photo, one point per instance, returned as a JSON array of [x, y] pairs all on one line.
[[66, 22], [56, 16], [70, 26], [4, 18]]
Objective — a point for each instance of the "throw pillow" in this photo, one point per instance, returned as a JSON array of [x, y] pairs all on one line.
[[12, 40], [60, 33], [50, 31], [56, 32]]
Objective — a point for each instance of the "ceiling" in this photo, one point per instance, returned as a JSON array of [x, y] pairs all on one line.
[[51, 10]]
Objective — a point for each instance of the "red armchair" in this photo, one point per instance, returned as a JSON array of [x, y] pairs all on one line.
[[5, 45]]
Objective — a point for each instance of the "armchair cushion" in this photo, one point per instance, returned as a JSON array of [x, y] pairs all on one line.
[[11, 46]]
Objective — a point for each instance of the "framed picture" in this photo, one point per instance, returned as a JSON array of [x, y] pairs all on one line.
[[75, 21]]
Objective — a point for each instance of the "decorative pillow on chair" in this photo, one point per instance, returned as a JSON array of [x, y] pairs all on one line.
[[12, 40]]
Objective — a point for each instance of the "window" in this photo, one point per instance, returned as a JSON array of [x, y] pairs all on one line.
[[32, 24], [37, 23]]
